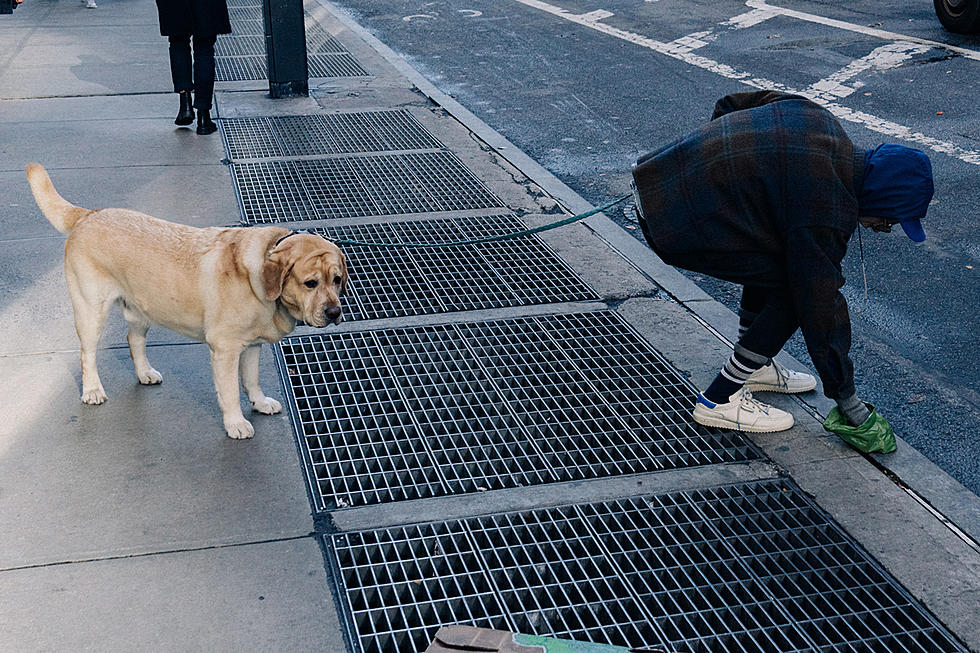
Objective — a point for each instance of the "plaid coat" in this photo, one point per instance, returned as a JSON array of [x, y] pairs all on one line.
[[765, 194]]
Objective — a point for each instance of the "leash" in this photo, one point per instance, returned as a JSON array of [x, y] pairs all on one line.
[[486, 239]]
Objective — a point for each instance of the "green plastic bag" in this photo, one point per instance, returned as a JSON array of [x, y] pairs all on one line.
[[874, 436]]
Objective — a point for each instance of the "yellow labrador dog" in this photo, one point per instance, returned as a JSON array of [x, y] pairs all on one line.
[[232, 288]]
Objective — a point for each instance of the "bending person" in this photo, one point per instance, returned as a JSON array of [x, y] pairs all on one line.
[[767, 195]]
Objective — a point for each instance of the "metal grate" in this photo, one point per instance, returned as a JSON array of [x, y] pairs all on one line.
[[318, 41], [239, 46], [400, 281], [238, 13], [239, 69], [270, 191], [358, 186], [334, 65], [248, 27], [748, 567], [408, 413], [339, 133]]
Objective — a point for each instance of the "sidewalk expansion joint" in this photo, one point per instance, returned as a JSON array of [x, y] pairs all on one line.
[[148, 554]]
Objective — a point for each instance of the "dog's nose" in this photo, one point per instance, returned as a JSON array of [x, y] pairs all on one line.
[[333, 312]]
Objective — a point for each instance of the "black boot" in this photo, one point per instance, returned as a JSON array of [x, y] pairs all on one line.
[[204, 123], [186, 114]]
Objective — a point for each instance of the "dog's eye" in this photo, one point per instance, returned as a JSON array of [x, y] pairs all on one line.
[[312, 283], [336, 281]]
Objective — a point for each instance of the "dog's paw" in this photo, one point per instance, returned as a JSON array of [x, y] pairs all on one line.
[[240, 429], [94, 397], [267, 406], [150, 377]]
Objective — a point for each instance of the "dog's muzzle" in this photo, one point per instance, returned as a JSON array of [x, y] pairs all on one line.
[[334, 314]]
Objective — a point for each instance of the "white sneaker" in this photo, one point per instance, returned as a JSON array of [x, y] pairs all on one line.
[[91, 4], [776, 378], [742, 413]]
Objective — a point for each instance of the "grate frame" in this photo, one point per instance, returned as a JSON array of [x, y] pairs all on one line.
[[371, 185], [445, 391], [743, 567]]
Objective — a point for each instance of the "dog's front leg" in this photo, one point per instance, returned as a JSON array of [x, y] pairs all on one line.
[[249, 369], [224, 364]]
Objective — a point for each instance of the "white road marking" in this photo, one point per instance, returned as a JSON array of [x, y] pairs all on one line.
[[874, 123], [598, 14], [409, 19], [692, 41], [762, 5], [887, 56], [473, 13], [749, 18]]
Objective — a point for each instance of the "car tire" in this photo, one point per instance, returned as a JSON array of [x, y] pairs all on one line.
[[960, 16]]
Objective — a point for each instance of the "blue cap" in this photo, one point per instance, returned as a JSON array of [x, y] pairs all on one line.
[[897, 187]]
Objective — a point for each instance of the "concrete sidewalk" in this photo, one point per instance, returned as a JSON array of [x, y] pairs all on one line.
[[137, 525]]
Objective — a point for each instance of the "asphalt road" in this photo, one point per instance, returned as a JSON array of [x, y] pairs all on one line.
[[584, 87]]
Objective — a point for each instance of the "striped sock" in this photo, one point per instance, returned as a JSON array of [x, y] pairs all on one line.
[[733, 376]]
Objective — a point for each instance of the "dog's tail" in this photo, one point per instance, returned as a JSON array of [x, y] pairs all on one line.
[[59, 211]]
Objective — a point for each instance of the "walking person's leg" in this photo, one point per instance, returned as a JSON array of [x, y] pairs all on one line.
[[204, 82], [180, 71]]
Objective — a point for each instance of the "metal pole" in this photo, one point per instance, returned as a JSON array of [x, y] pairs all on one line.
[[285, 47]]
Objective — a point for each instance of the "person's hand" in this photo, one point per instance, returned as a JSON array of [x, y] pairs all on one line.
[[874, 436]]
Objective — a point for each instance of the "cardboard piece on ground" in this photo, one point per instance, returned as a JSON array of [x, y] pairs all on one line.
[[457, 639]]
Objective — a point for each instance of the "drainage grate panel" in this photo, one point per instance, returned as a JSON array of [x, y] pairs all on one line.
[[359, 186], [239, 69], [748, 567], [334, 65], [239, 13], [340, 133], [249, 27], [239, 46], [401, 281], [474, 406], [318, 41], [270, 191]]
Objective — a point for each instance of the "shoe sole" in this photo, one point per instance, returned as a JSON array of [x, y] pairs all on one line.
[[733, 426], [766, 387]]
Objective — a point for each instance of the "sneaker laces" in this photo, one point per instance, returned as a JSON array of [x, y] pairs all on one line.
[[782, 377], [750, 404]]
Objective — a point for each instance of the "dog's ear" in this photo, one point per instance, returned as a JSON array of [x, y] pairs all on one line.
[[274, 271], [267, 261], [343, 274]]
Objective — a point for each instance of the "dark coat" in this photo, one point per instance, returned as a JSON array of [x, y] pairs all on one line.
[[193, 17], [765, 194]]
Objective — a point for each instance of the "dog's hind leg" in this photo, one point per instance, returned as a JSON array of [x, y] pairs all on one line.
[[138, 326], [90, 315], [248, 368]]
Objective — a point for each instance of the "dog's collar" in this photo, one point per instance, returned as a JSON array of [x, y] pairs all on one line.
[[291, 233]]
